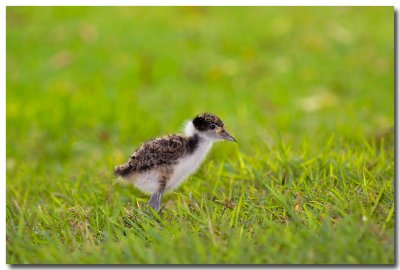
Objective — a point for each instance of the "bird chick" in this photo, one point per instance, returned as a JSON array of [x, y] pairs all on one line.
[[162, 164]]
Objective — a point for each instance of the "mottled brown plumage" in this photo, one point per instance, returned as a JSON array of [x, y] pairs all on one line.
[[163, 151]]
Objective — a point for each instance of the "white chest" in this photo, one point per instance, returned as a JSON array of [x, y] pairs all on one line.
[[188, 165]]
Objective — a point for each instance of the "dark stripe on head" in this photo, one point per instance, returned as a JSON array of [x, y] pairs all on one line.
[[205, 121]]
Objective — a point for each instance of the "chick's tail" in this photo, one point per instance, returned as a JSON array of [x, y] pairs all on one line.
[[123, 170]]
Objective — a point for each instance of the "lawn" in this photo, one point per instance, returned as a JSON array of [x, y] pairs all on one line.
[[307, 92]]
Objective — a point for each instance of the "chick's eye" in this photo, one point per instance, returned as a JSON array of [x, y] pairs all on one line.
[[212, 126]]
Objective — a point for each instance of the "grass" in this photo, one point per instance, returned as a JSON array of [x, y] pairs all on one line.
[[307, 92]]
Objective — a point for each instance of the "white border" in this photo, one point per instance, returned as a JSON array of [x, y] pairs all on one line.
[[3, 131], [3, 5], [200, 3]]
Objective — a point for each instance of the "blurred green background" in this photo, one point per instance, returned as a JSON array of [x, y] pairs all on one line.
[[307, 91]]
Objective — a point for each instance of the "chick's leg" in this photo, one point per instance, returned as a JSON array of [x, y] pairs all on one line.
[[155, 200], [156, 197]]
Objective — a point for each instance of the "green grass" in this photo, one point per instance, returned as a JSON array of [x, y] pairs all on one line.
[[307, 92]]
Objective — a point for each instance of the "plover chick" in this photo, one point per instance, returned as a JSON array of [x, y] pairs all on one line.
[[162, 164]]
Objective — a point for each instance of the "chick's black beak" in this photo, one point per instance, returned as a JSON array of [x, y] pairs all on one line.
[[226, 136]]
